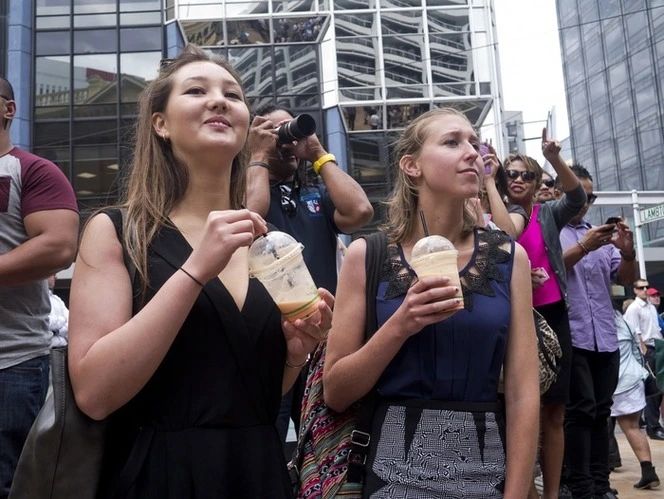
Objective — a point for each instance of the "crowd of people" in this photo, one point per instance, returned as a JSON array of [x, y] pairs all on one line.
[[192, 362]]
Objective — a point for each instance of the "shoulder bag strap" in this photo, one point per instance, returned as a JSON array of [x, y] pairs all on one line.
[[360, 438]]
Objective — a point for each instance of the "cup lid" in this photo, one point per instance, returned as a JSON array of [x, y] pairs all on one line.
[[431, 244], [271, 248]]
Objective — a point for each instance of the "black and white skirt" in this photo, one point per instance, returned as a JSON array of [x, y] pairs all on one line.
[[424, 449]]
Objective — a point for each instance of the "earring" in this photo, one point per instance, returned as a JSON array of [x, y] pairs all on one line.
[[163, 136]]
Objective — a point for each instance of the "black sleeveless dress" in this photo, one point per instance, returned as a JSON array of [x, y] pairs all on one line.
[[204, 425]]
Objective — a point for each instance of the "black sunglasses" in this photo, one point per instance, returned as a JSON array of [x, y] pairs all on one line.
[[641, 287], [548, 182], [592, 198], [526, 176], [288, 204]]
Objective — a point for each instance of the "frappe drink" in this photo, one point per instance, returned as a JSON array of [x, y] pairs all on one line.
[[276, 261], [434, 256]]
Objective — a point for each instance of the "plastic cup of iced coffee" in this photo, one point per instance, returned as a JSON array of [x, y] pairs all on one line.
[[276, 261], [436, 256]]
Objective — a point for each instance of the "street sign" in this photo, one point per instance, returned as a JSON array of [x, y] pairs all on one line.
[[652, 214]]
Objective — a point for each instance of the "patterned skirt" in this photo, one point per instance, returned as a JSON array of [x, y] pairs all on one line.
[[424, 449]]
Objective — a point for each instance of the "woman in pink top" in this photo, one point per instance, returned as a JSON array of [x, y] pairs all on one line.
[[537, 229]]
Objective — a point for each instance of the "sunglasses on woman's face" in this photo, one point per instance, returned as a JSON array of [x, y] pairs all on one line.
[[526, 176], [548, 182]]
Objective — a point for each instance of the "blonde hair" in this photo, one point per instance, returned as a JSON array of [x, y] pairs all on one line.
[[157, 180], [402, 215]]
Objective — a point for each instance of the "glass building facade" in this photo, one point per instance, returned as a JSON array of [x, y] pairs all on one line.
[[363, 69], [613, 55]]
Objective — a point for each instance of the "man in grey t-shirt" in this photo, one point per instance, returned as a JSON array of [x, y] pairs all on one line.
[[38, 235]]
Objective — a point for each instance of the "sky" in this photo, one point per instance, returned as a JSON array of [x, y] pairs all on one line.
[[530, 65]]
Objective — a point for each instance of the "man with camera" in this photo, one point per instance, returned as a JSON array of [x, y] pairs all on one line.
[[311, 203]]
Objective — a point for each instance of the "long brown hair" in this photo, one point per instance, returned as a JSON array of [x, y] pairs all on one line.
[[157, 180], [402, 215]]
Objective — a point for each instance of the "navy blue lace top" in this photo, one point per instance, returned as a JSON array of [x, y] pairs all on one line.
[[458, 359]]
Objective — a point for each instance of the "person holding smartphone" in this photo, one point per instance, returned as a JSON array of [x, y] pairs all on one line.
[[594, 256], [538, 229]]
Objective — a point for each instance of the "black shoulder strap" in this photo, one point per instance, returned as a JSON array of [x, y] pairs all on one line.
[[117, 216], [361, 436], [373, 262]]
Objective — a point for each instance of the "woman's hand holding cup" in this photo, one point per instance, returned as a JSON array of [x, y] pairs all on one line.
[[224, 232]]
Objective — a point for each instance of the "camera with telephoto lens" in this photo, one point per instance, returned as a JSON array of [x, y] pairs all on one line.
[[297, 128]]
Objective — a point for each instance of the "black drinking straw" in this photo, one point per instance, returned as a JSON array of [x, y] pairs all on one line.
[[424, 223]]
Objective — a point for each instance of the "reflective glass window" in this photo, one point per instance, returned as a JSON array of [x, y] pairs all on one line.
[[136, 71], [52, 7], [626, 146], [448, 21], [52, 22], [637, 32], [132, 18], [609, 8], [400, 115], [403, 59], [353, 4], [200, 9], [95, 91], [140, 39], [248, 32], [256, 67], [293, 5], [94, 170], [614, 40], [571, 41], [95, 20], [52, 134], [52, 42], [588, 11], [634, 6], [94, 6], [360, 24], [623, 113], [52, 87], [95, 132], [297, 29], [568, 14], [646, 98], [640, 64], [204, 33], [593, 47], [400, 3], [356, 61], [95, 41], [299, 71], [360, 93], [370, 163], [235, 8], [402, 22], [578, 100], [446, 3], [138, 5]]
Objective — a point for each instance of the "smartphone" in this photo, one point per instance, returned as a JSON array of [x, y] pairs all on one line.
[[612, 220], [484, 149]]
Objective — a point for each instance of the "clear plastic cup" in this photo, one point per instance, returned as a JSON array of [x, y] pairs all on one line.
[[434, 256], [276, 261]]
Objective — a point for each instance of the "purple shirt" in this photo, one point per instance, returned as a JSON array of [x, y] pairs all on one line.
[[591, 318]]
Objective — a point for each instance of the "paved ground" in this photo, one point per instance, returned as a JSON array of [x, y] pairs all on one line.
[[629, 473]]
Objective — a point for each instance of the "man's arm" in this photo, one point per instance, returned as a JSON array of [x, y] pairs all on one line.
[[51, 247], [352, 207], [262, 143]]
